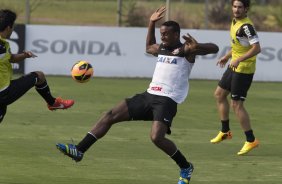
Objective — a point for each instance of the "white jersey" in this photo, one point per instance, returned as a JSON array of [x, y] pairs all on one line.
[[171, 75]]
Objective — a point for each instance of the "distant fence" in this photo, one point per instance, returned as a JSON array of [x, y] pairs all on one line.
[[193, 14]]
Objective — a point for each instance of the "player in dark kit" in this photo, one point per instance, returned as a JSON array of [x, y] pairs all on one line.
[[11, 90], [168, 88]]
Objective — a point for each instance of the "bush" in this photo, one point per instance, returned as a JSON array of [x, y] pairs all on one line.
[[136, 16], [219, 12]]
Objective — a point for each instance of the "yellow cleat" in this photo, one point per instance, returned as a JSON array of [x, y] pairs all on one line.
[[221, 136], [248, 146]]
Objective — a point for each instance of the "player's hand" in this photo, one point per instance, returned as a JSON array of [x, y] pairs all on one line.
[[190, 43], [222, 62], [234, 64], [158, 14], [29, 54], [189, 39]]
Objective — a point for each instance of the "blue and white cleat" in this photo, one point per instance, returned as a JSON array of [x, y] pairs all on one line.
[[185, 175], [71, 151]]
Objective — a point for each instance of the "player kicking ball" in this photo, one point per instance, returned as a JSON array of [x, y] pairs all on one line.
[[12, 90]]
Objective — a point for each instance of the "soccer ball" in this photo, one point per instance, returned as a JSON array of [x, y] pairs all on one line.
[[82, 71]]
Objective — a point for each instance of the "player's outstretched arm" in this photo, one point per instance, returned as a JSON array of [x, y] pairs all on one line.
[[20, 57], [195, 48], [151, 46]]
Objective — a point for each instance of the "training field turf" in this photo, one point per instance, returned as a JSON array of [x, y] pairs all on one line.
[[126, 155]]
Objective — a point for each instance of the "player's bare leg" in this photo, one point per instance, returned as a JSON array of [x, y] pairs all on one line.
[[222, 103], [118, 114], [244, 119], [115, 115], [241, 114], [223, 110], [158, 133]]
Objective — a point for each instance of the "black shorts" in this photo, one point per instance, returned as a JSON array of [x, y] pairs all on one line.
[[15, 90], [237, 83], [150, 107]]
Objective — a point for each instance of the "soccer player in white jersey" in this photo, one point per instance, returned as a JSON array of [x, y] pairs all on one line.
[[158, 103]]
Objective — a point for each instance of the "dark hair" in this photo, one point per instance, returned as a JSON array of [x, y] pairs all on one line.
[[246, 3], [7, 18], [175, 26]]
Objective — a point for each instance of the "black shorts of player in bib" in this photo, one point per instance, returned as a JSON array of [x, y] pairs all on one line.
[[237, 83], [15, 90], [148, 107]]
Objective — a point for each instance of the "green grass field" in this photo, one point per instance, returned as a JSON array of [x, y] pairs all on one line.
[[126, 155]]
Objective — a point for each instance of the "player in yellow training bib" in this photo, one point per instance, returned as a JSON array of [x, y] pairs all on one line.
[[11, 90], [238, 77]]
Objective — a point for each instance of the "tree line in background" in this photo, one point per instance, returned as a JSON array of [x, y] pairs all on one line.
[[218, 15], [213, 14]]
